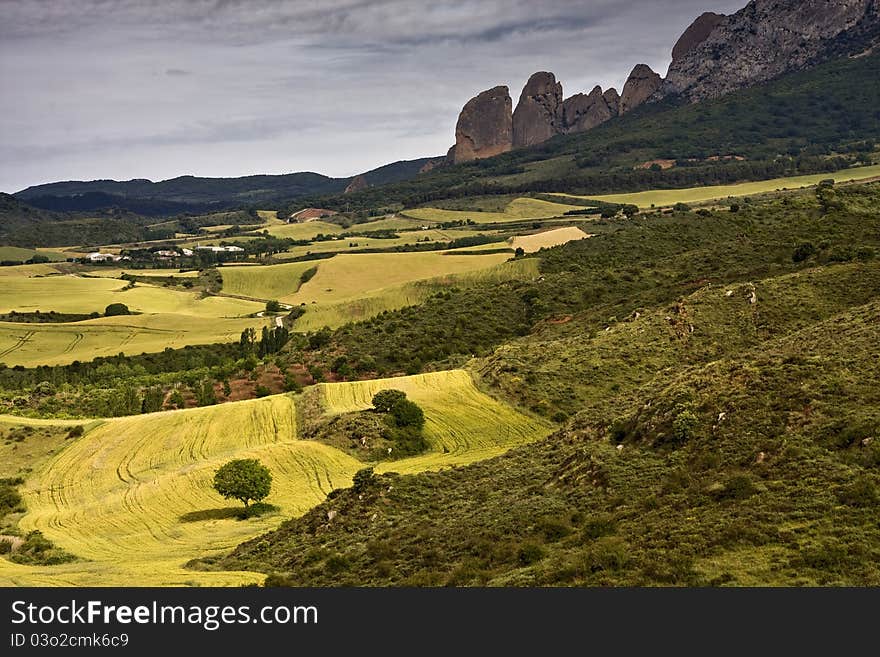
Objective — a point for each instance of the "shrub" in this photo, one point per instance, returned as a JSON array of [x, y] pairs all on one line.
[[384, 400], [273, 306], [530, 553], [363, 479], [116, 309], [683, 426], [408, 414], [244, 480], [803, 251]]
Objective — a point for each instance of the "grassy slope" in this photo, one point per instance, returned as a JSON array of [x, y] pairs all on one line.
[[746, 426], [547, 239], [517, 210], [133, 496], [667, 197]]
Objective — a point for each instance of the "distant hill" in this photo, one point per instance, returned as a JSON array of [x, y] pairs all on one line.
[[26, 226], [193, 194]]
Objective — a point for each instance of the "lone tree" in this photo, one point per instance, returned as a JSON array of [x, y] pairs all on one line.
[[244, 480]]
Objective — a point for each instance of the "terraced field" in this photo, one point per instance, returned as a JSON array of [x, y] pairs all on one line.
[[667, 197], [517, 210], [133, 497]]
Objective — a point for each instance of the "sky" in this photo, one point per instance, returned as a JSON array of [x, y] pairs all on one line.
[[123, 89]]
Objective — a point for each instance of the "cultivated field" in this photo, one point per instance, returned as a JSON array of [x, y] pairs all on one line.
[[351, 276], [547, 239], [16, 254], [58, 344], [265, 282], [133, 497], [517, 210], [395, 297], [77, 294], [666, 197], [305, 231]]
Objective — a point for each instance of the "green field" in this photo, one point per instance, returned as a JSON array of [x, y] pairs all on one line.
[[14, 253], [133, 499], [150, 273], [517, 210], [666, 197], [264, 282]]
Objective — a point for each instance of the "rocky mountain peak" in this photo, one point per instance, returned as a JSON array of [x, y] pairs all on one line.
[[484, 126], [538, 115], [642, 83], [696, 34]]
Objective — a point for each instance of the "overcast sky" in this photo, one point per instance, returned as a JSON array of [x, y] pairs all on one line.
[[155, 89]]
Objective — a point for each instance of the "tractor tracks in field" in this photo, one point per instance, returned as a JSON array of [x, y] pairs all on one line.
[[73, 344], [18, 345]]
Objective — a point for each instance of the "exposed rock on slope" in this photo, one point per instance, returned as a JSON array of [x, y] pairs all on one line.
[[584, 112], [538, 114], [484, 126], [613, 99], [356, 185], [696, 34], [641, 85], [766, 39]]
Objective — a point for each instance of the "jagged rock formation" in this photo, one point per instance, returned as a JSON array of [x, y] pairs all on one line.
[[538, 115], [769, 38], [613, 99], [640, 86], [696, 34], [484, 126], [584, 112], [356, 185]]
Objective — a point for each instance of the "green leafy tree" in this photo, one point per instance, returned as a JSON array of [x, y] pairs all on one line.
[[408, 414], [245, 480], [384, 400], [273, 306]]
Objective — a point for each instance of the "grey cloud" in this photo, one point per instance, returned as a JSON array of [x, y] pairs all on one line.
[[107, 88]]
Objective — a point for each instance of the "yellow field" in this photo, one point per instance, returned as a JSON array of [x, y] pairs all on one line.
[[305, 231], [347, 244], [462, 426], [350, 276], [265, 281], [76, 294], [28, 271], [389, 223], [517, 210], [547, 239], [666, 197], [133, 497], [338, 314], [164, 273], [58, 344]]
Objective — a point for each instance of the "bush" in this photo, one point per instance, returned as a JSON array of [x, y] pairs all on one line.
[[803, 251], [384, 400], [273, 306], [244, 480], [408, 414], [683, 426], [116, 309], [530, 553], [363, 479]]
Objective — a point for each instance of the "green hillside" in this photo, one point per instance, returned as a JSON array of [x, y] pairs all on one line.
[[720, 380]]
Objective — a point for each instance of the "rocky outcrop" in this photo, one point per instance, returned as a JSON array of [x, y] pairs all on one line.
[[584, 112], [769, 38], [613, 99], [538, 115], [484, 126], [640, 86], [696, 34], [357, 184]]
